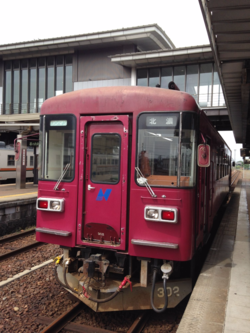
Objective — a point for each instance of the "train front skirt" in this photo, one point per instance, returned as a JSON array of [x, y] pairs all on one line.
[[138, 299]]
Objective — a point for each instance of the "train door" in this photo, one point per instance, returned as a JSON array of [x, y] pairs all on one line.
[[105, 166], [204, 203]]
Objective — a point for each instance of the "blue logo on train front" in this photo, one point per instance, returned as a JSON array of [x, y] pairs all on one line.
[[102, 195]]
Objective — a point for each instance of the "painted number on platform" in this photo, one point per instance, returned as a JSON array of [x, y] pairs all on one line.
[[171, 291]]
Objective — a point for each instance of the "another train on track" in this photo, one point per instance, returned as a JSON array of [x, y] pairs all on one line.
[[130, 181], [8, 163]]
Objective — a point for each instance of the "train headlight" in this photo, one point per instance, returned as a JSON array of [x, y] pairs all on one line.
[[152, 213], [55, 205]]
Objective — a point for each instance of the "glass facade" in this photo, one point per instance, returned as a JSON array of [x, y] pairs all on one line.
[[166, 76], [201, 81], [8, 82], [29, 82], [154, 77], [192, 80], [179, 77], [205, 87]]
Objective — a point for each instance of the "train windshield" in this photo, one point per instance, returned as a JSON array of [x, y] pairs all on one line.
[[164, 157], [57, 147]]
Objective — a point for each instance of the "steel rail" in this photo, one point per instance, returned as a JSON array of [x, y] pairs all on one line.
[[20, 250], [17, 235], [64, 322], [139, 323]]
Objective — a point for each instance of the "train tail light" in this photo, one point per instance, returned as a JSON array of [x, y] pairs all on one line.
[[50, 204], [168, 215], [43, 204], [161, 214]]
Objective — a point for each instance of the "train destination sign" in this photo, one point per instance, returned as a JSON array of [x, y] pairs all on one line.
[[33, 143], [58, 123], [163, 121]]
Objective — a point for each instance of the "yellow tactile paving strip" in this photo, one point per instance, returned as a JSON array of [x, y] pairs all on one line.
[[8, 192]]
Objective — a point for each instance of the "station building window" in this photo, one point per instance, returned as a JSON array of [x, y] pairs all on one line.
[[29, 82], [199, 80], [179, 77]]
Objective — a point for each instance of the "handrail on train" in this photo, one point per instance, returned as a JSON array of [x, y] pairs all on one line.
[[23, 137]]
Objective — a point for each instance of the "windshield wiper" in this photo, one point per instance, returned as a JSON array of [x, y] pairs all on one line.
[[143, 181], [61, 177]]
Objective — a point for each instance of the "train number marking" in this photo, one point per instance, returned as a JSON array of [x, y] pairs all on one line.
[[171, 291]]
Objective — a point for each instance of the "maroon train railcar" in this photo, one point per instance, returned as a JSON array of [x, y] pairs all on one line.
[[130, 181]]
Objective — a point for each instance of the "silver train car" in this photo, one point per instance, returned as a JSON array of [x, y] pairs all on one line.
[[8, 163]]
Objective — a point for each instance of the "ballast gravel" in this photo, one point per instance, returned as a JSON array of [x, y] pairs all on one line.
[[38, 294]]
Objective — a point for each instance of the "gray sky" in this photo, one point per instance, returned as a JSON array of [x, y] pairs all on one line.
[[235, 148], [28, 20]]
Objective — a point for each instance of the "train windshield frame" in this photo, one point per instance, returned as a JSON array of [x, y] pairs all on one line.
[[165, 157], [57, 147]]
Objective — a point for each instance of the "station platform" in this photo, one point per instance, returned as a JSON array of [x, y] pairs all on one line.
[[9, 193], [17, 208], [220, 302]]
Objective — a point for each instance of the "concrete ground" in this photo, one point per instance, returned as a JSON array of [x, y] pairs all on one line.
[[8, 192], [220, 302]]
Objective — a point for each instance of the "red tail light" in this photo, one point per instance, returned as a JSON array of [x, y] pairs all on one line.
[[168, 215], [43, 204]]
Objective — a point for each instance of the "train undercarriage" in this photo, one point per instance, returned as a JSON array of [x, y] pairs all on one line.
[[110, 281]]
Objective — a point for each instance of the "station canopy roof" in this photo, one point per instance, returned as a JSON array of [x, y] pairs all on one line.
[[228, 27], [184, 55], [148, 37]]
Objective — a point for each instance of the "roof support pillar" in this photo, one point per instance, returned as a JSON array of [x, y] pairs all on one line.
[[21, 163], [133, 76]]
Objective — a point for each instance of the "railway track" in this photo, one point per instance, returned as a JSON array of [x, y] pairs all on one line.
[[17, 235], [20, 249], [64, 322]]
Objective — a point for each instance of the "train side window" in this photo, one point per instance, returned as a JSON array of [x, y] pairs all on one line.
[[11, 160], [57, 147], [158, 149], [31, 160]]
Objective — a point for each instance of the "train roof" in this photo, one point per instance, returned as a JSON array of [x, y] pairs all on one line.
[[121, 99]]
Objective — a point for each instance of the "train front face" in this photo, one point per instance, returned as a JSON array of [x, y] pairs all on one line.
[[117, 192]]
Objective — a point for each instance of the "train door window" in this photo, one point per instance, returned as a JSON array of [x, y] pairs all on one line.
[[11, 160], [31, 160], [107, 146]]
